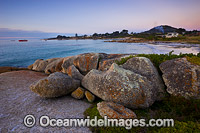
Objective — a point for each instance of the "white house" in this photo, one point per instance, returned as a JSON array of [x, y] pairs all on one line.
[[171, 34]]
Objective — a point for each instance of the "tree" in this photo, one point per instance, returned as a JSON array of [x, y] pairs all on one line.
[[95, 35], [124, 32], [107, 34], [116, 33], [180, 30], [59, 36]]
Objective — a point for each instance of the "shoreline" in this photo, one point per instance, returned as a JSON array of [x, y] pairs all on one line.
[[4, 69], [133, 40], [129, 40], [85, 71]]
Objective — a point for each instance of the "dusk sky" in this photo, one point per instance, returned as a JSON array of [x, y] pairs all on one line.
[[89, 16]]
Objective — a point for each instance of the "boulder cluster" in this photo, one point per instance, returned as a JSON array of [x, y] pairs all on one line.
[[132, 85]]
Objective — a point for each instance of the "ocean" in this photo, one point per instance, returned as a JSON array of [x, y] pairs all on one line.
[[22, 54]]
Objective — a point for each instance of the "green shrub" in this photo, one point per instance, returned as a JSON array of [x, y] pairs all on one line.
[[123, 60], [194, 60], [181, 127], [157, 59], [183, 111]]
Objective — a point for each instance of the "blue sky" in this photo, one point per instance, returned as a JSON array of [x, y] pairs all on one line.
[[89, 16]]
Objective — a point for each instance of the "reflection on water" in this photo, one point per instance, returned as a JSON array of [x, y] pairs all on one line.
[[14, 53]]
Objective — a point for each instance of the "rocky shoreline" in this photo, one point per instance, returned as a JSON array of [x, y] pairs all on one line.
[[134, 84], [9, 69]]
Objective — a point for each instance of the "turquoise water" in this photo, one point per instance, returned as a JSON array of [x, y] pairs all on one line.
[[22, 54]]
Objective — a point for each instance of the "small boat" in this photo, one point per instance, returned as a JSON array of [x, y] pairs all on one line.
[[22, 40]]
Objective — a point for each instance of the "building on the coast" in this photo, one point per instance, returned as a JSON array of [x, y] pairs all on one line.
[[171, 34]]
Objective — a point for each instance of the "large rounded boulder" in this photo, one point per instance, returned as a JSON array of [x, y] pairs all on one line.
[[144, 67], [122, 86], [55, 85], [40, 64], [181, 77], [54, 66], [67, 62]]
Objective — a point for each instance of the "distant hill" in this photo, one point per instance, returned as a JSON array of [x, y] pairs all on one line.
[[5, 32], [162, 29]]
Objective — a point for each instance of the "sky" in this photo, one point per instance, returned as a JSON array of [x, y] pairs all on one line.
[[90, 16]]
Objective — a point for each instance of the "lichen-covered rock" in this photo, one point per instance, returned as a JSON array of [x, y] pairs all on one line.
[[144, 67], [104, 65], [40, 64], [106, 60], [54, 66], [181, 77], [67, 61], [30, 67], [90, 97], [55, 85], [122, 86], [73, 72], [86, 62], [78, 93], [115, 111], [36, 65], [58, 67]]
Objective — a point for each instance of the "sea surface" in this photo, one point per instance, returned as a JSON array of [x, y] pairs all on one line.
[[22, 54]]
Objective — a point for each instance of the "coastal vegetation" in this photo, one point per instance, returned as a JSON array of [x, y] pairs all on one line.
[[156, 34], [157, 59], [183, 111], [154, 38]]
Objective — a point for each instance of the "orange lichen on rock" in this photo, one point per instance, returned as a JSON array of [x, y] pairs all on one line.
[[87, 58], [86, 62], [182, 77], [69, 70], [90, 97], [115, 111], [78, 93], [59, 66]]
